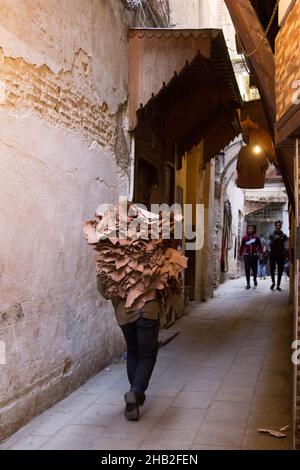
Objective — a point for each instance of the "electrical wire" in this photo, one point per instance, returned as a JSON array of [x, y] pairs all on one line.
[[266, 32], [145, 11], [152, 14], [246, 65], [132, 4], [141, 21]]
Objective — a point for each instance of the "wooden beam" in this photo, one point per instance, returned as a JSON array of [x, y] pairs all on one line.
[[289, 125], [251, 33]]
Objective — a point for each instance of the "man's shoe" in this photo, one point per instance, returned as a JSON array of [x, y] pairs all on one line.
[[132, 408], [248, 286], [255, 282], [278, 288], [272, 286]]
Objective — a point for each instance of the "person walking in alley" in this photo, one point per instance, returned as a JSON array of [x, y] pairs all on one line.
[[139, 268], [263, 242], [278, 247], [263, 258], [251, 249], [262, 264], [140, 329]]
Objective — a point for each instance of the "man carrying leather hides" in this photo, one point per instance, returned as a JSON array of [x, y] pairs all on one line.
[[136, 267]]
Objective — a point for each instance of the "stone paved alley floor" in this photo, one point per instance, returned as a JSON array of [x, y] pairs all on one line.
[[227, 373]]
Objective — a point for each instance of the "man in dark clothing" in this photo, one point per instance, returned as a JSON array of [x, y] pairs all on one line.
[[141, 338], [278, 241], [250, 249], [140, 329]]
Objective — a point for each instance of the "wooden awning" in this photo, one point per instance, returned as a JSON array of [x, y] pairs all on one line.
[[188, 76], [160, 57]]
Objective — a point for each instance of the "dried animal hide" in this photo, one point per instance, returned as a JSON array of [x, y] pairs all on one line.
[[136, 267]]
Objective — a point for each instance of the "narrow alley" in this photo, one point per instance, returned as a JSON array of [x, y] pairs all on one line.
[[226, 374], [150, 203]]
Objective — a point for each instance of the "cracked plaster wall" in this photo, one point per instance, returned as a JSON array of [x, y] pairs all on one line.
[[64, 150]]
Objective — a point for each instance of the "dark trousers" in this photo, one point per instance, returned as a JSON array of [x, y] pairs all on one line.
[[279, 261], [251, 262], [141, 338]]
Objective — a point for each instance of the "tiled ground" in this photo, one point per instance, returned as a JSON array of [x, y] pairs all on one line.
[[226, 374]]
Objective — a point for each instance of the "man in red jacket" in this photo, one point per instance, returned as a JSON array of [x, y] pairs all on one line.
[[250, 249]]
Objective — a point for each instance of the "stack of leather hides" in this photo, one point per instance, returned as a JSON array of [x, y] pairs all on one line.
[[135, 265]]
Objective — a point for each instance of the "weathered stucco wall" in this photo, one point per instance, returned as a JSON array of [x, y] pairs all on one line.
[[185, 16], [236, 197], [225, 180], [63, 102]]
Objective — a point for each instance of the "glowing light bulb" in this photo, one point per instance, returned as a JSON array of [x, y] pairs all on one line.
[[257, 149]]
